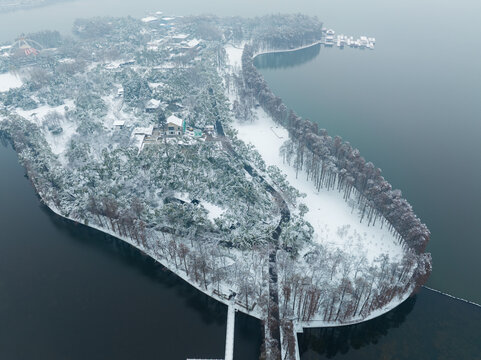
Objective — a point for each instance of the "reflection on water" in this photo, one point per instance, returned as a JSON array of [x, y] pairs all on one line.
[[427, 326], [287, 59]]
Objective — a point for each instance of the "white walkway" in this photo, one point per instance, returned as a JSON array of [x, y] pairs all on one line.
[[229, 337]]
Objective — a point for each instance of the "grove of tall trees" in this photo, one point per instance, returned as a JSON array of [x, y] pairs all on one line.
[[334, 164]]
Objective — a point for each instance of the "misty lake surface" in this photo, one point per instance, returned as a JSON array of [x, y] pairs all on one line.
[[412, 106]]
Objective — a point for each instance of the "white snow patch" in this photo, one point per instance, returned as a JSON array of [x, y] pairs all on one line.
[[156, 85], [36, 115], [192, 43], [9, 81], [58, 142], [138, 140], [234, 55], [213, 210]]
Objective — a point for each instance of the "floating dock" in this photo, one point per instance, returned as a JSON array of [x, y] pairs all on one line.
[[363, 42]]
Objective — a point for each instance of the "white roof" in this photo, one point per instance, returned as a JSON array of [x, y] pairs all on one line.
[[119, 122], [155, 85], [144, 130], [153, 104], [172, 119], [148, 19], [193, 42], [180, 36]]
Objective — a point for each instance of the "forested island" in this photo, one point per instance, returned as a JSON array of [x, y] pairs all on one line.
[[162, 132]]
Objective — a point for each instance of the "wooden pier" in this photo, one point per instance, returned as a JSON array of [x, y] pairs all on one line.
[[229, 336]]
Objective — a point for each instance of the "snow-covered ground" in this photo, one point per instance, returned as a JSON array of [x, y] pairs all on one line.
[[9, 81], [58, 142], [234, 54], [334, 222], [213, 210]]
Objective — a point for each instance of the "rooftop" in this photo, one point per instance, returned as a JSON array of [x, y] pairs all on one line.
[[172, 119]]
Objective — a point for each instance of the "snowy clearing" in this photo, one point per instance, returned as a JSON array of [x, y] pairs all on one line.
[[213, 210], [9, 81], [234, 53], [59, 141], [334, 222]]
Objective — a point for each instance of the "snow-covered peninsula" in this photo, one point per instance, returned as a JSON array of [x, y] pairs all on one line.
[[163, 134]]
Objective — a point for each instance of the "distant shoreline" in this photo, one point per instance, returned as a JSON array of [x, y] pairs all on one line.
[[9, 8]]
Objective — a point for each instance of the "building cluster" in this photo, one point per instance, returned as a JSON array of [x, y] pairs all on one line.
[[363, 42], [174, 129]]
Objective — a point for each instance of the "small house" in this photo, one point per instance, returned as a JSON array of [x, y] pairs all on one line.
[[175, 126], [146, 131], [119, 124], [209, 129], [152, 106]]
